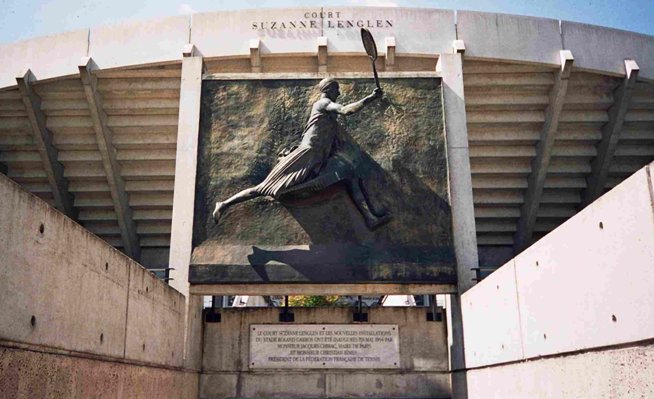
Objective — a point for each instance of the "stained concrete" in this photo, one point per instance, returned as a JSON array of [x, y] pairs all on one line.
[[423, 356], [159, 40], [68, 297], [610, 374], [26, 374], [572, 314]]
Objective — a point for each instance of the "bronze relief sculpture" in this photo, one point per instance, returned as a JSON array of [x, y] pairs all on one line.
[[322, 158], [324, 155]]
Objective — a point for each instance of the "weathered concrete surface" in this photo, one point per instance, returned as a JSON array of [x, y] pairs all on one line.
[[47, 57], [611, 374], [160, 40], [245, 124], [67, 295], [26, 374], [423, 357], [417, 31], [574, 296], [607, 248], [501, 36], [591, 44], [325, 385], [491, 320], [155, 320], [70, 282], [421, 35]]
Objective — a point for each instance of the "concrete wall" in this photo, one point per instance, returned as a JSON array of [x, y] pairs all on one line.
[[417, 32], [423, 357], [575, 308], [72, 302]]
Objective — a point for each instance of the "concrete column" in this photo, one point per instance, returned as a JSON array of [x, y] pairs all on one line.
[[184, 196], [458, 159], [463, 217]]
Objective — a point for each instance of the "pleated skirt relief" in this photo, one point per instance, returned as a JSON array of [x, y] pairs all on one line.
[[293, 169]]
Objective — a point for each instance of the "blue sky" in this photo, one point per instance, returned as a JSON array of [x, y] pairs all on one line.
[[25, 19]]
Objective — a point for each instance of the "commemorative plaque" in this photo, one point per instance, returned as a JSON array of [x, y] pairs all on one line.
[[321, 346]]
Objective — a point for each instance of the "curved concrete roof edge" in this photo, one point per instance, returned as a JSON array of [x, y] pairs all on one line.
[[295, 31]]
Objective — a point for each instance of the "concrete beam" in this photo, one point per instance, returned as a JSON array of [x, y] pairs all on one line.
[[104, 138], [321, 289], [541, 162], [43, 139], [255, 55], [389, 61], [322, 54], [610, 135]]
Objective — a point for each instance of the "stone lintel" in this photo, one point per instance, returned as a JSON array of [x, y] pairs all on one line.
[[322, 289]]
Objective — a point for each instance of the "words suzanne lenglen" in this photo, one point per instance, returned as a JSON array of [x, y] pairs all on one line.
[[313, 20], [324, 346]]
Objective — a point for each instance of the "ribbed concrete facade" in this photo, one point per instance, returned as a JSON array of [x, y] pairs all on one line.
[[511, 67]]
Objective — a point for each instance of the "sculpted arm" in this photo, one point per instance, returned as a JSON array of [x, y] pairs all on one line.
[[354, 107]]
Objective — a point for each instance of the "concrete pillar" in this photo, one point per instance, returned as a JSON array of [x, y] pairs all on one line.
[[456, 131], [463, 217], [184, 198]]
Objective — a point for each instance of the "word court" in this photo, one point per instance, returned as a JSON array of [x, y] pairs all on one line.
[[324, 346]]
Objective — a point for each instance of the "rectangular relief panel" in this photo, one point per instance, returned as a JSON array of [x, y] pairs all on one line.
[[362, 199]]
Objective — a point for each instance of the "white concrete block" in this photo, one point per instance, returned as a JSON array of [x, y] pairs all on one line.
[[126, 44], [491, 320], [70, 281], [589, 282], [228, 33], [611, 374], [604, 50], [510, 37], [48, 57], [416, 31], [155, 320]]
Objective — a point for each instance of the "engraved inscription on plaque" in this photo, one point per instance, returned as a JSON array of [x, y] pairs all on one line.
[[320, 346]]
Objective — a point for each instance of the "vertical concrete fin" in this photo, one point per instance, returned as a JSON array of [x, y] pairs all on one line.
[[184, 190], [44, 142], [322, 54], [389, 61], [458, 158], [541, 162], [255, 55], [610, 135], [104, 139]]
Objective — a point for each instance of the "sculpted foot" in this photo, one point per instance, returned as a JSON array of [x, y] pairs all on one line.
[[218, 211], [376, 222]]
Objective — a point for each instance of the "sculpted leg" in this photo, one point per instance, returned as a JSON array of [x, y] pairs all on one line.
[[377, 211], [372, 221], [243, 196]]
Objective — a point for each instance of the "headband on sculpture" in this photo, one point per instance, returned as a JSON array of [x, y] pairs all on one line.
[[326, 84]]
